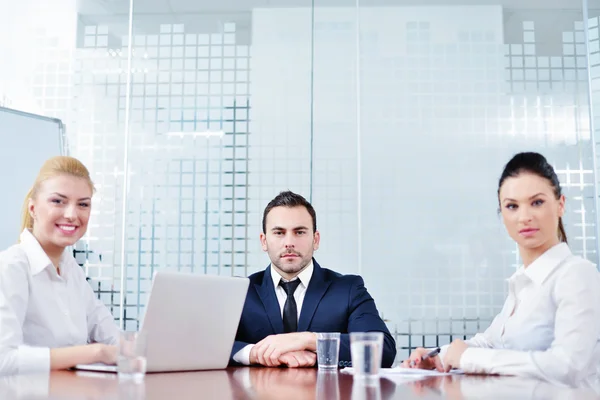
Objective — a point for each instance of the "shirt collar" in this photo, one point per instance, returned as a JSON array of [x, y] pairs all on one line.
[[38, 259], [304, 276], [541, 268]]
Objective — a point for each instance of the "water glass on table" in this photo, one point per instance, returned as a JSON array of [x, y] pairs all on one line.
[[131, 359], [366, 350], [328, 350]]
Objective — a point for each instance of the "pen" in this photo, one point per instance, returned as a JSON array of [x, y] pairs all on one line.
[[432, 353]]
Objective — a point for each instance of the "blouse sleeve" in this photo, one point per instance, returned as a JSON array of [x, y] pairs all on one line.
[[577, 329], [480, 340], [15, 357]]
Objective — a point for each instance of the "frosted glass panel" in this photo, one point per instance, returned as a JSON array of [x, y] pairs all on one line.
[[394, 118], [448, 95]]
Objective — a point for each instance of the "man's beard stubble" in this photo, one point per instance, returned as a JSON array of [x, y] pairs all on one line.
[[291, 269]]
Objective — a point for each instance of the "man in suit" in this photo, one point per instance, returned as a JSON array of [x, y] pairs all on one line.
[[295, 297]]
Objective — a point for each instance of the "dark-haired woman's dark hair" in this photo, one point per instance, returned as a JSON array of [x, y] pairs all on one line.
[[537, 164]]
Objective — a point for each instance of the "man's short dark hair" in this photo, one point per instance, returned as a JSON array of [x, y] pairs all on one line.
[[289, 199]]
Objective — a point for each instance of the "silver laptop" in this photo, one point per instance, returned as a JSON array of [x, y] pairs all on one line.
[[190, 322]]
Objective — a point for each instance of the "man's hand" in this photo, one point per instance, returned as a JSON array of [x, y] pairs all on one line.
[[299, 359], [268, 351]]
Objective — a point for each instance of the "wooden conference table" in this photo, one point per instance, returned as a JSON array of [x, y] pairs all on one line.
[[277, 383]]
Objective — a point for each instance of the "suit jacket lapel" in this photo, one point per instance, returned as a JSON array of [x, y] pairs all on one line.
[[266, 292], [316, 289]]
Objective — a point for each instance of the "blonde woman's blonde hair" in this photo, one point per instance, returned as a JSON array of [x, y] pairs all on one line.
[[55, 166]]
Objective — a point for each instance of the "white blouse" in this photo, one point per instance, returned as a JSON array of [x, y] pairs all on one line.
[[40, 309], [549, 327]]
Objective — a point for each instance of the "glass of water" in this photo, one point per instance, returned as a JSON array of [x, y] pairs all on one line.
[[131, 360], [366, 350], [328, 350]]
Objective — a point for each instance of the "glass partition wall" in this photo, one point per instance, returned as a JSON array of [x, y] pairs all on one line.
[[448, 93], [395, 118]]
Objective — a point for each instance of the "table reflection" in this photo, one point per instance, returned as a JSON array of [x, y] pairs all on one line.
[[280, 383], [59, 385], [495, 387], [93, 385], [190, 385], [328, 385], [277, 383], [308, 383]]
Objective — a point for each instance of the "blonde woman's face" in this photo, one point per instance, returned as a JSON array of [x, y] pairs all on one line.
[[61, 210]]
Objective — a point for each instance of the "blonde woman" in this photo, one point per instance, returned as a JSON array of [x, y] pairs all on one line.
[[49, 316]]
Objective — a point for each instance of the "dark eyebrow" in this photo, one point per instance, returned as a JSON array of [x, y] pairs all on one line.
[[298, 228], [532, 197], [65, 197], [536, 195]]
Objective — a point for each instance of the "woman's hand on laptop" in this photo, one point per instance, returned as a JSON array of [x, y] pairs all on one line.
[[105, 353], [268, 351]]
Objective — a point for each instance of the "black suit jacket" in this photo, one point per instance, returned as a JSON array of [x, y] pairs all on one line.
[[332, 303]]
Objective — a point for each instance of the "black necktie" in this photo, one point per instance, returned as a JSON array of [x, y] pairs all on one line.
[[290, 313]]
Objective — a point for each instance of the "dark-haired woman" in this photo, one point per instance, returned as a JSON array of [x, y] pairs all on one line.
[[549, 327]]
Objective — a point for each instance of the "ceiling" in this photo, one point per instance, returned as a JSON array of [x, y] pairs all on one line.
[[236, 6], [200, 16]]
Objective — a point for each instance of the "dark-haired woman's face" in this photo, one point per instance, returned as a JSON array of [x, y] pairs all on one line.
[[530, 211]]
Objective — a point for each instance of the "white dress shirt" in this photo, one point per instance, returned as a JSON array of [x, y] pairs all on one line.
[[243, 356], [549, 327], [40, 309]]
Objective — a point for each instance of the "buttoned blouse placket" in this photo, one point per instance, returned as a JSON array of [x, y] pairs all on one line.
[[61, 290]]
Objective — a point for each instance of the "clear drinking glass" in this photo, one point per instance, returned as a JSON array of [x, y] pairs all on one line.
[[328, 350], [366, 349], [131, 359]]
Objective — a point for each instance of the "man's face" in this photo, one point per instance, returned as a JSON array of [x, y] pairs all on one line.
[[289, 239]]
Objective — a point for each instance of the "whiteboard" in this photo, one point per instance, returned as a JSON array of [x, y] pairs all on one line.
[[26, 141]]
